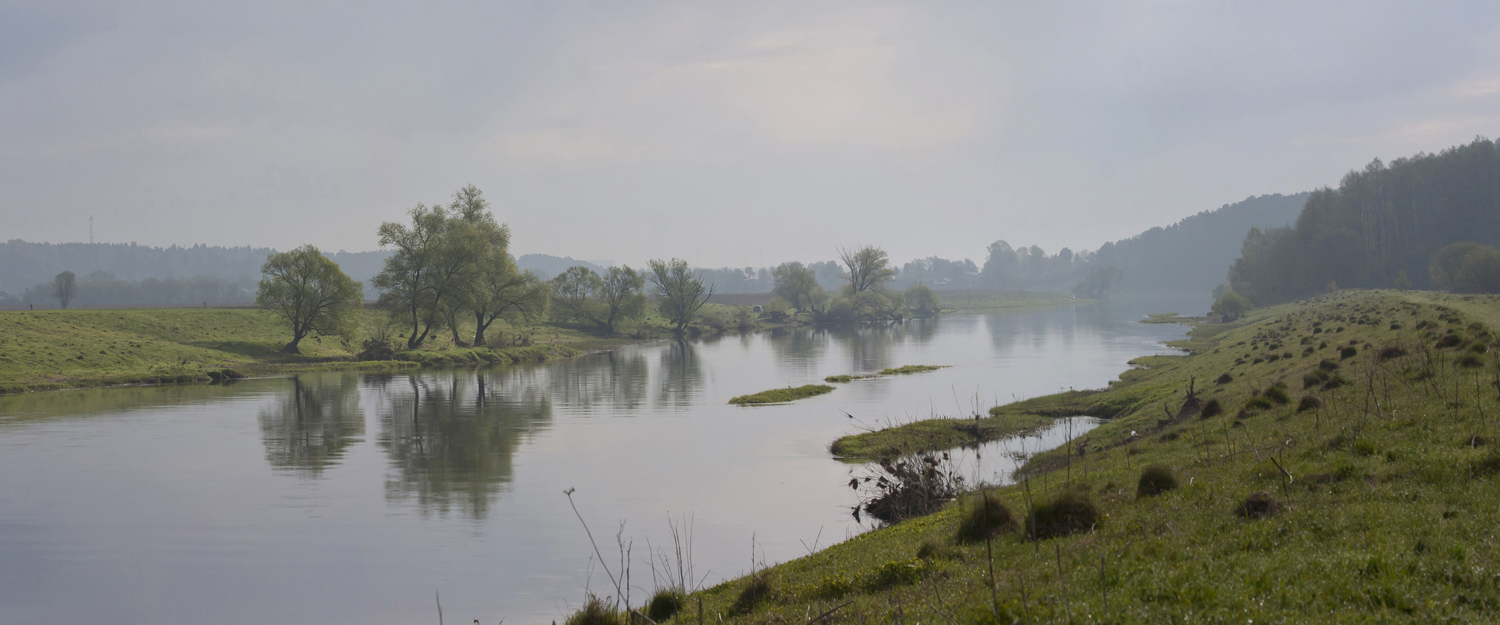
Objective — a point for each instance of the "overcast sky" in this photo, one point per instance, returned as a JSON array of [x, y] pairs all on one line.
[[724, 133]]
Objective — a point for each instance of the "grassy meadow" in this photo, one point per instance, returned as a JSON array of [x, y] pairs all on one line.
[[1335, 463], [53, 349]]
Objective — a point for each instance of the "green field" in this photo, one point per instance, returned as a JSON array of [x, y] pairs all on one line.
[[55, 349], [1373, 428]]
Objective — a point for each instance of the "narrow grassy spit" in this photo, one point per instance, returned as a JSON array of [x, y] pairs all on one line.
[[908, 369], [782, 395], [57, 349], [1376, 503], [843, 379]]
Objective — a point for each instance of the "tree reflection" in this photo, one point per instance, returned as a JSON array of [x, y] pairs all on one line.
[[617, 379], [799, 350], [681, 376], [451, 439], [868, 347], [310, 427]]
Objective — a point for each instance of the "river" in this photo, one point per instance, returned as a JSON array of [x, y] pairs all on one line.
[[358, 498]]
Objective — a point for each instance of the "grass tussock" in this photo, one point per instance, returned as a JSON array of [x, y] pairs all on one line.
[[1259, 505], [596, 611], [1068, 513], [1211, 408], [666, 603], [1155, 480], [782, 395], [756, 590], [987, 517], [844, 379]]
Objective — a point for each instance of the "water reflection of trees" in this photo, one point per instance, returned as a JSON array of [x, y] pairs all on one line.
[[868, 347], [451, 439], [798, 351], [616, 379], [681, 376], [308, 428]]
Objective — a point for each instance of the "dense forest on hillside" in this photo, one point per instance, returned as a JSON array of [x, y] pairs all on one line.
[[1193, 254], [1379, 228]]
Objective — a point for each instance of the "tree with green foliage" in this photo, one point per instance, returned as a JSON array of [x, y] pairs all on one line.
[[437, 273], [867, 268], [64, 287], [1098, 282], [508, 294], [1479, 272], [1443, 268], [583, 295], [680, 293], [796, 284], [622, 296], [310, 293], [1381, 220], [1231, 306], [409, 282], [573, 293], [922, 300]]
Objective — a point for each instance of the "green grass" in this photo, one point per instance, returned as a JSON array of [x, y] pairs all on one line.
[[1388, 514], [906, 369], [934, 434], [782, 395], [56, 349], [846, 378]]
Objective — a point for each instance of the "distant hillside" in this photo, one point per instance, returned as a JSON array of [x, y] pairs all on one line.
[[25, 265], [1379, 228], [548, 266], [1183, 262]]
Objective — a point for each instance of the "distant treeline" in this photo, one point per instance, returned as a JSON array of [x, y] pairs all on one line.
[[1380, 228], [101, 288], [936, 272], [25, 265], [1187, 258]]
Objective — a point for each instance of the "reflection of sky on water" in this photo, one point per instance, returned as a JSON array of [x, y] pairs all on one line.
[[349, 498]]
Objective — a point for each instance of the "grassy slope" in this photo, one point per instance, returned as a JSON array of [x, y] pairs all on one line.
[[72, 348], [1391, 507]]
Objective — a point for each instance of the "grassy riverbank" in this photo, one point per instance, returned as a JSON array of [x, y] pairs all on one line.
[[1367, 421], [56, 349]]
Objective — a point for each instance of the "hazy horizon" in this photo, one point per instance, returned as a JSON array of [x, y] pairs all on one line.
[[726, 135]]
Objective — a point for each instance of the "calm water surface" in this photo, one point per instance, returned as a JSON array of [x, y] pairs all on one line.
[[349, 498]]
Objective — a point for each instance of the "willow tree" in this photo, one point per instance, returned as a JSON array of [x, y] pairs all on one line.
[[679, 292], [867, 268], [583, 295], [439, 263], [796, 284], [310, 294]]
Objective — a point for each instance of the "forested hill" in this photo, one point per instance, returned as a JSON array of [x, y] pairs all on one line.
[[1380, 228], [1191, 256], [25, 265], [548, 266]]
